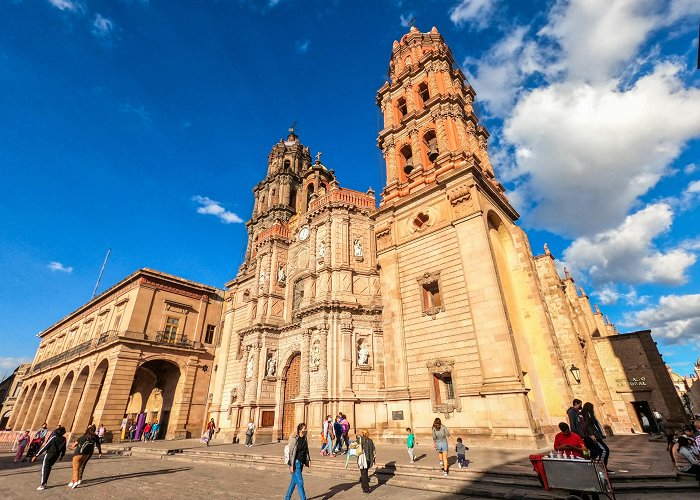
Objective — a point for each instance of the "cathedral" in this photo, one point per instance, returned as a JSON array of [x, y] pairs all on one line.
[[431, 305], [425, 303]]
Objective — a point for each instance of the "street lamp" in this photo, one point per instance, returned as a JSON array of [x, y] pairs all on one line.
[[576, 373]]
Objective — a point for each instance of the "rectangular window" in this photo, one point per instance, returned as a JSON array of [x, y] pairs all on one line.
[[431, 296], [444, 389], [268, 419], [117, 321], [209, 334], [171, 326]]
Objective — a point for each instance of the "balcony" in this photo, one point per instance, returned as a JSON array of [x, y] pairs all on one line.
[[174, 340], [346, 196]]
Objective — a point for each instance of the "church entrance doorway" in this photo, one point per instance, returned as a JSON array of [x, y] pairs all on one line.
[[291, 391]]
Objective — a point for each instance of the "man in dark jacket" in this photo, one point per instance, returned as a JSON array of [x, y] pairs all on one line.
[[576, 422], [54, 449], [299, 457]]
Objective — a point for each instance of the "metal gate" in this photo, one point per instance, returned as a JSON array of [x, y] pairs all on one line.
[[291, 390]]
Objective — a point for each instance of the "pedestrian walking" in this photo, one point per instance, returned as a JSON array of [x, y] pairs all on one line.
[[41, 433], [440, 436], [410, 443], [297, 456], [366, 458], [645, 424], [155, 429], [211, 428], [249, 434], [84, 448], [101, 431], [327, 436], [461, 451], [595, 439], [146, 432], [659, 421], [53, 450], [345, 424], [132, 431], [22, 442], [338, 431]]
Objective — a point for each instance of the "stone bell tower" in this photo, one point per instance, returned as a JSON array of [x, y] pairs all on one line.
[[472, 340]]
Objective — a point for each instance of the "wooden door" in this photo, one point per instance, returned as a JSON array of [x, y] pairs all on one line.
[[291, 390]]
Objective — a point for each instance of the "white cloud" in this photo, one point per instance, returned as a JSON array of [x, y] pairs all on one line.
[[273, 3], [57, 266], [211, 207], [102, 27], [498, 75], [627, 253], [476, 13], [302, 46], [676, 318], [609, 294], [68, 5], [407, 19], [690, 168], [139, 111], [586, 153], [9, 363]]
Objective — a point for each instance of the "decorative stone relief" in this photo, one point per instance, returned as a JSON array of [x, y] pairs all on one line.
[[357, 249], [462, 201], [281, 276], [271, 366], [315, 356], [362, 353], [443, 370], [250, 365]]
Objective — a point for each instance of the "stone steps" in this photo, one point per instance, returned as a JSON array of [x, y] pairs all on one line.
[[518, 483]]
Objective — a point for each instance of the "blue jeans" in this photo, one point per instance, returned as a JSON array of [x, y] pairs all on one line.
[[329, 444], [296, 481]]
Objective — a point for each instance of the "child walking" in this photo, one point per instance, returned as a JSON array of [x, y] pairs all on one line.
[[410, 443], [461, 453]]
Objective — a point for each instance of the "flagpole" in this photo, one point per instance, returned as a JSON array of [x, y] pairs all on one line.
[[104, 264]]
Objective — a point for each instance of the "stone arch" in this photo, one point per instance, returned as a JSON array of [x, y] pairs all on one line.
[[19, 407], [153, 392], [68, 417], [56, 412], [91, 396], [31, 411], [4, 419], [42, 411]]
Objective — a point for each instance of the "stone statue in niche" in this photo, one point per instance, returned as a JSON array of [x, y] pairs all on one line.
[[271, 366], [262, 279], [315, 355], [358, 248], [234, 394], [362, 354], [281, 277], [322, 249], [249, 366]]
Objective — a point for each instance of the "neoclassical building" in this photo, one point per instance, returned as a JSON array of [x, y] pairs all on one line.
[[142, 350], [432, 305]]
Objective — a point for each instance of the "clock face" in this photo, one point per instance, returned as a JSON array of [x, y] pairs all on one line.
[[304, 233]]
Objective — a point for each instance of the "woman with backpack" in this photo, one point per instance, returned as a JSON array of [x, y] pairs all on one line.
[[297, 456], [249, 434], [84, 448], [365, 459]]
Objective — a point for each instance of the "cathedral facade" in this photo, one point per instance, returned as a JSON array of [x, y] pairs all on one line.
[[431, 305]]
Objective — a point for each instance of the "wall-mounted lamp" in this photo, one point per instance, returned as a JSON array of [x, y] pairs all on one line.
[[576, 373], [205, 368]]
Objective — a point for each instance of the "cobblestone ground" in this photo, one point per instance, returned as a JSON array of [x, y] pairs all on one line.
[[132, 477]]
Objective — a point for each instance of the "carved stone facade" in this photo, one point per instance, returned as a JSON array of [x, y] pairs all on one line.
[[431, 305]]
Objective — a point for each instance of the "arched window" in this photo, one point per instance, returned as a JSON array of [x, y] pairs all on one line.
[[401, 107], [423, 92], [430, 141], [309, 195], [407, 156], [293, 198], [287, 164]]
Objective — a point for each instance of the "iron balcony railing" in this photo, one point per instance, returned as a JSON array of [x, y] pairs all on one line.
[[172, 339]]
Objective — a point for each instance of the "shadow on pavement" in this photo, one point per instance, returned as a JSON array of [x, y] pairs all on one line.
[[335, 490], [107, 479]]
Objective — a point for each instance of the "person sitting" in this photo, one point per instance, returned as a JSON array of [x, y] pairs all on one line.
[[568, 442], [685, 457]]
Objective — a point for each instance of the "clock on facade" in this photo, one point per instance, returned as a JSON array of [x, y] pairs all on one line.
[[304, 233]]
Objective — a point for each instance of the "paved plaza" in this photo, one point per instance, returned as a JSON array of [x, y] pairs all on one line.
[[258, 473]]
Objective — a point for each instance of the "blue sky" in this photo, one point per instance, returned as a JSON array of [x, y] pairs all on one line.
[[142, 126]]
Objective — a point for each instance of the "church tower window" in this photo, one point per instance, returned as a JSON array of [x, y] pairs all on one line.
[[401, 107], [423, 92], [430, 141], [407, 156]]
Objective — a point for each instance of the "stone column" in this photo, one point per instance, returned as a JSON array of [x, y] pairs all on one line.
[[17, 409], [305, 379], [378, 352], [250, 245], [390, 160], [346, 353], [432, 82], [443, 144], [416, 150], [410, 100], [388, 109], [461, 131], [323, 365]]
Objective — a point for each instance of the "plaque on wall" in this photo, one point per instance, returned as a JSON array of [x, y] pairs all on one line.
[[397, 415]]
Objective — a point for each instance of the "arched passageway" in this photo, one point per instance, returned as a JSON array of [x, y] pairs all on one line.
[[33, 405], [42, 410], [152, 395], [75, 395], [91, 395], [59, 402]]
